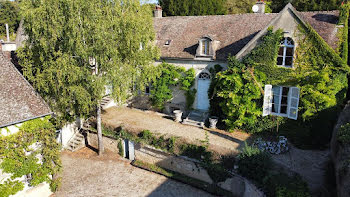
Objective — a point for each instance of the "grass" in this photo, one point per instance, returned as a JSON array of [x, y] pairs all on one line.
[[211, 188]]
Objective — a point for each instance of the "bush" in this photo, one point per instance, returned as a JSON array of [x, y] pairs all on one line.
[[254, 163], [120, 148], [197, 152], [343, 135], [281, 185]]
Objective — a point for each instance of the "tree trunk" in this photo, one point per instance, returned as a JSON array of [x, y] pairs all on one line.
[[99, 130]]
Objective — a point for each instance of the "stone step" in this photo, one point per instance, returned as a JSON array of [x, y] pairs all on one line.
[[192, 121]]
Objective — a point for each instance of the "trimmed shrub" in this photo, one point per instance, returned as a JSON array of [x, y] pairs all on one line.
[[282, 185], [254, 163]]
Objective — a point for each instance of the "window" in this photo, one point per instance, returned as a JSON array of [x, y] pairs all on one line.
[[167, 43], [204, 76], [205, 47], [281, 101], [147, 90], [285, 53]]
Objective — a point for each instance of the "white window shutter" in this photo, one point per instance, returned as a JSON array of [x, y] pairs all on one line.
[[293, 102], [267, 107]]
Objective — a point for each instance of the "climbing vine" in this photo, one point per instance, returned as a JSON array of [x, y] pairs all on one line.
[[19, 157], [317, 70], [171, 77]]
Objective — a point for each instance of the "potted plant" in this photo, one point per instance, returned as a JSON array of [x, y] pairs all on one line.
[[178, 115], [213, 121]]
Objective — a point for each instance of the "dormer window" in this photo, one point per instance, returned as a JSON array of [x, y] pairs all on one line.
[[167, 43], [205, 46], [286, 52]]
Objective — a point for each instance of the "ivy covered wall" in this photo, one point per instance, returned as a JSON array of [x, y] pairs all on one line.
[[170, 77], [318, 70], [33, 150]]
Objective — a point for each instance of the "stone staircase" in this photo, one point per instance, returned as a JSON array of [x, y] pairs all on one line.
[[106, 101], [77, 142], [196, 118]]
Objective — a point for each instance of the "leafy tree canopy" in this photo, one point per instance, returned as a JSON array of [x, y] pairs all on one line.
[[64, 35], [193, 7], [9, 13]]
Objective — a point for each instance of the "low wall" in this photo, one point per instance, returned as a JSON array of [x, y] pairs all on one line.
[[182, 165], [108, 143], [239, 186]]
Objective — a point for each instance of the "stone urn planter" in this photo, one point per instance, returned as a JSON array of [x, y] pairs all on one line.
[[178, 115], [212, 122]]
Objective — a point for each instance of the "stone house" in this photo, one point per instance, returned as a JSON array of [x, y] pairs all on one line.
[[19, 103], [200, 42]]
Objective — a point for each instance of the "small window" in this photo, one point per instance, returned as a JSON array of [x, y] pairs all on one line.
[[286, 52], [167, 43], [205, 47], [281, 101], [147, 90]]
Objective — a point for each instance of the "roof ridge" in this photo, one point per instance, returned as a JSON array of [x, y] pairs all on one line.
[[226, 15]]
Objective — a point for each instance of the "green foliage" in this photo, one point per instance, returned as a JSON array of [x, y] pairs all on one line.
[[64, 34], [168, 144], [238, 7], [282, 185], [254, 163], [215, 109], [13, 149], [343, 135], [192, 7], [9, 13], [187, 82], [171, 77], [197, 152], [9, 188], [161, 91], [306, 5], [343, 32], [120, 148], [318, 71]]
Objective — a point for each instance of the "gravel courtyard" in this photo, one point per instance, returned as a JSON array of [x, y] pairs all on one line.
[[86, 174]]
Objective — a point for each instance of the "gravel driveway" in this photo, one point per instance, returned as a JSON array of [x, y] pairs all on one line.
[[86, 174]]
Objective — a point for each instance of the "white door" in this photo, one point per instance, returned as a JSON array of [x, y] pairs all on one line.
[[202, 91]]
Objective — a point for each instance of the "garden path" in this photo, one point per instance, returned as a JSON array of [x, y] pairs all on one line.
[[310, 164], [135, 120]]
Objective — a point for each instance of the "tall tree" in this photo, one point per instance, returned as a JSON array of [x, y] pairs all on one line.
[[193, 7], [306, 5], [9, 13], [66, 38]]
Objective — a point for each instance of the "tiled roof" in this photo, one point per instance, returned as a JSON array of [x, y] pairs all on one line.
[[325, 24], [18, 100], [232, 31]]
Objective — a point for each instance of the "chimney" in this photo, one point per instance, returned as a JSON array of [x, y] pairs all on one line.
[[7, 32], [260, 4], [158, 12]]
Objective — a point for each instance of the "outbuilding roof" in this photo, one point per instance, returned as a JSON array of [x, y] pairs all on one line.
[[19, 101], [232, 31]]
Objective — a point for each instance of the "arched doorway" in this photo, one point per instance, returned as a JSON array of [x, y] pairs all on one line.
[[202, 91]]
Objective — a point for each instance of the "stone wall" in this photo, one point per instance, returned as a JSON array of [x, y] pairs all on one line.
[[183, 165], [239, 186], [341, 156], [108, 143]]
